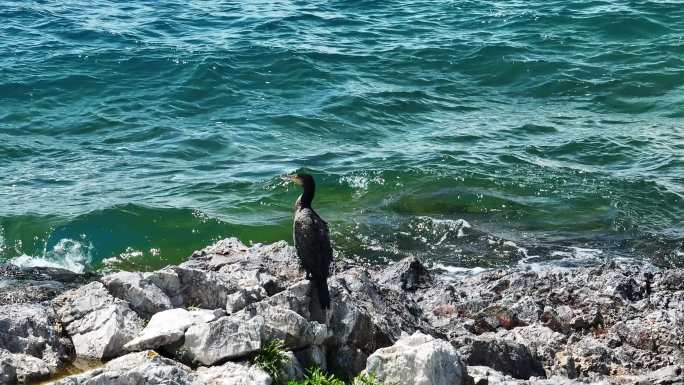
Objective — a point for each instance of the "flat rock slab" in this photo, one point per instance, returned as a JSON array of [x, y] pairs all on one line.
[[233, 374], [169, 326]]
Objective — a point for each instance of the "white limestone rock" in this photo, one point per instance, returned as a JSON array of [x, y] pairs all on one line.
[[99, 324], [168, 327], [418, 360], [225, 338], [142, 295], [243, 297], [231, 373], [142, 368]]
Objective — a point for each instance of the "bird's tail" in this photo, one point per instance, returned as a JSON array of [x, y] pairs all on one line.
[[323, 293]]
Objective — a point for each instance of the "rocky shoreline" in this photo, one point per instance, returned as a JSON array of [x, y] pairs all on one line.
[[202, 321]]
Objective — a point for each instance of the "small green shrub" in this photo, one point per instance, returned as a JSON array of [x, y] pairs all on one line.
[[316, 376], [366, 379], [272, 358]]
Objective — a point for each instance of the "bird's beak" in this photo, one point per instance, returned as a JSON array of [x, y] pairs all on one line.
[[292, 178]]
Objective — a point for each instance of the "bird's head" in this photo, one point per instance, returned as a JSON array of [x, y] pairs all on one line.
[[308, 187], [304, 180]]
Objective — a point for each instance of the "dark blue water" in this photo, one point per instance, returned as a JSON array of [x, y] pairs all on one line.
[[132, 133]]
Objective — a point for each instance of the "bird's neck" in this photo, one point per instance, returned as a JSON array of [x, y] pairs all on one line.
[[304, 200]]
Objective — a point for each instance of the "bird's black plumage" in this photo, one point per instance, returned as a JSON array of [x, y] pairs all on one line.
[[312, 239]]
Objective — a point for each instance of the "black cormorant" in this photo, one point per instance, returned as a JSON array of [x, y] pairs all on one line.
[[312, 239]]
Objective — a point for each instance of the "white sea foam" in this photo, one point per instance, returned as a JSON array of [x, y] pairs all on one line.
[[66, 254], [126, 255], [361, 182], [453, 273], [446, 225]]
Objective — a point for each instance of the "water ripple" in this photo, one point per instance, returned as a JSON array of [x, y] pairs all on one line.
[[544, 121]]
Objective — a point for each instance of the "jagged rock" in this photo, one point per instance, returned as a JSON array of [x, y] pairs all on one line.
[[591, 355], [32, 329], [19, 284], [313, 355], [279, 323], [564, 366], [233, 374], [293, 368], [506, 356], [143, 296], [407, 274], [494, 317], [654, 330], [615, 322], [8, 372], [417, 360], [28, 291], [527, 310], [223, 339], [296, 298], [483, 375], [243, 297], [669, 375], [142, 368], [168, 327], [273, 266], [22, 369], [364, 317], [98, 324], [206, 290], [670, 280], [540, 340], [172, 287], [244, 333], [169, 282], [357, 332]]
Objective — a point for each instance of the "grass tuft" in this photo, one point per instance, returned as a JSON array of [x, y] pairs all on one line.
[[272, 358], [316, 376]]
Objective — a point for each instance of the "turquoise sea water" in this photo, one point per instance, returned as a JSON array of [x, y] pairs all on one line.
[[132, 133]]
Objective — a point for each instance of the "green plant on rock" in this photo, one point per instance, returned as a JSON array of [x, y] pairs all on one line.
[[316, 376], [272, 358], [366, 379]]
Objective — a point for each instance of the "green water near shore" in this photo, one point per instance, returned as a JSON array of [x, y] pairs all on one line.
[[131, 135]]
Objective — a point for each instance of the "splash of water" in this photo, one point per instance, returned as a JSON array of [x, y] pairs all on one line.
[[66, 254]]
